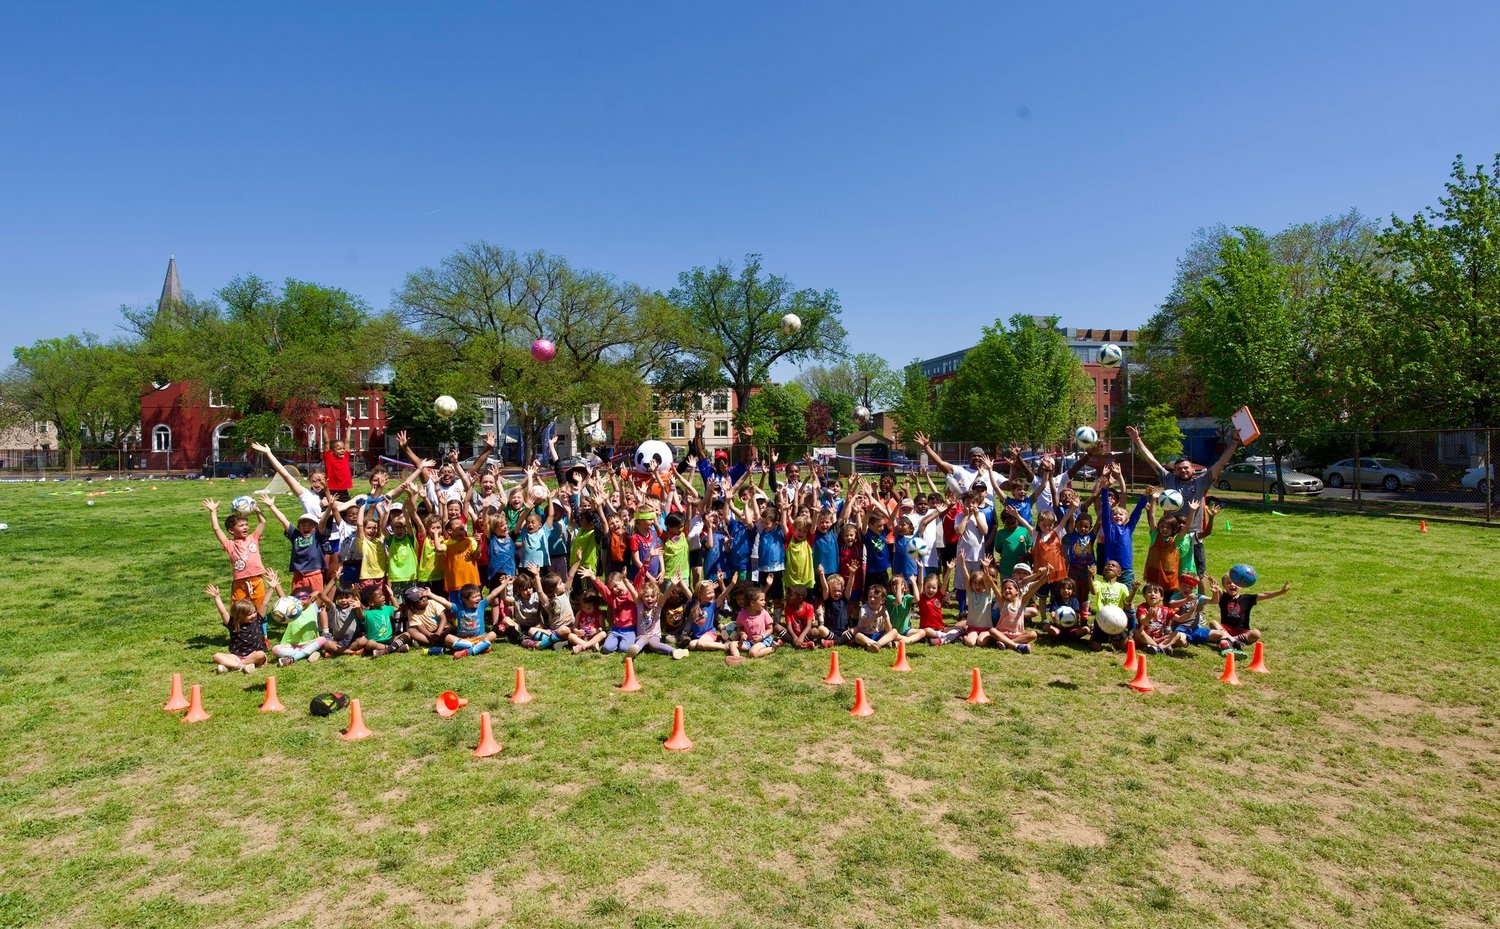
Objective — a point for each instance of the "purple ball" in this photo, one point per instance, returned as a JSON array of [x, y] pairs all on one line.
[[543, 350]]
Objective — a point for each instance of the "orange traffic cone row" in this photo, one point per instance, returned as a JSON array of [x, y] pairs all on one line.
[[1129, 664], [976, 688], [1142, 682], [834, 677], [521, 694], [357, 729], [487, 744], [1422, 525], [196, 713], [448, 703], [1229, 676], [176, 702], [272, 703], [861, 705], [1258, 660], [901, 663], [630, 685], [678, 740]]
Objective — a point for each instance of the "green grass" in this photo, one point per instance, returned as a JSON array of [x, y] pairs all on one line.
[[1355, 785]]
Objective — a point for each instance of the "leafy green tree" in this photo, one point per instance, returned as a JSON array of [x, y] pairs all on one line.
[[89, 390], [1161, 433], [1018, 384], [776, 417], [735, 317], [915, 409], [866, 377]]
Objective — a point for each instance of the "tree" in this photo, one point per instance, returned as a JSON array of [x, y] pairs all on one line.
[[89, 390], [736, 320], [425, 370], [776, 417], [915, 410], [1018, 384], [1161, 434], [866, 377]]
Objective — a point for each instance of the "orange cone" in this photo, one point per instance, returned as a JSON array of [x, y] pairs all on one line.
[[176, 702], [861, 705], [1142, 682], [196, 713], [272, 703], [834, 677], [631, 685], [901, 663], [1422, 525], [487, 744], [1129, 664], [357, 729], [521, 694], [1229, 676], [1258, 660], [976, 689], [449, 703], [678, 740]]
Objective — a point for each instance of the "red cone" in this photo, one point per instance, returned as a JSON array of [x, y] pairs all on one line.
[[521, 694], [1258, 660], [1129, 664], [1229, 676], [861, 705], [1142, 682], [357, 729], [976, 689], [901, 663], [176, 702], [272, 704], [834, 677], [630, 685], [678, 740], [487, 744], [196, 713]]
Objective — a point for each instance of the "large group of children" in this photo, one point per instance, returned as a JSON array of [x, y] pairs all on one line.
[[738, 559]]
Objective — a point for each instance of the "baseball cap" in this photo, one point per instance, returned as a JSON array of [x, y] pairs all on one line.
[[415, 594], [309, 517], [397, 506], [908, 504], [721, 453]]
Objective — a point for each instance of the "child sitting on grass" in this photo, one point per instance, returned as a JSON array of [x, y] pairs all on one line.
[[1110, 590], [557, 614], [874, 630], [587, 632], [1234, 612], [752, 627], [380, 634], [247, 634], [702, 616], [835, 608], [648, 631], [426, 617], [619, 597], [469, 636], [799, 627], [1156, 622], [932, 625], [345, 630], [1014, 607], [303, 639]]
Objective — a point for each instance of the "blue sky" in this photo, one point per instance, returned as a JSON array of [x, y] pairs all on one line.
[[938, 165]]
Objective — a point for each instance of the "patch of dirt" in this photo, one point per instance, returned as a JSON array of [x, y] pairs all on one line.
[[1066, 829], [661, 887]]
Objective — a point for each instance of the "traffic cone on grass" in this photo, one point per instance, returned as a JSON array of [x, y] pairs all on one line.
[[1258, 660], [976, 689], [521, 694], [834, 677], [861, 705], [678, 740], [1229, 676], [487, 744], [630, 685], [449, 703], [176, 702], [357, 729], [1422, 525], [1129, 664], [901, 663], [1142, 682], [196, 713], [272, 703]]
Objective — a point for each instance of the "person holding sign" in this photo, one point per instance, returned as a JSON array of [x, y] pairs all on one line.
[[1193, 489]]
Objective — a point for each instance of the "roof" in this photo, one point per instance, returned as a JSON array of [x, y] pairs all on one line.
[[171, 288], [856, 437]]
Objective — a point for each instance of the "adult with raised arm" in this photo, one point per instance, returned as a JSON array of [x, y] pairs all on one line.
[[717, 473], [312, 495], [963, 477], [1193, 489]]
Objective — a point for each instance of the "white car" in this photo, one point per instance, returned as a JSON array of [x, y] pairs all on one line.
[[1480, 478], [1386, 473]]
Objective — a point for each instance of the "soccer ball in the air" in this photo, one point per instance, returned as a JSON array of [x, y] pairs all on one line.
[[286, 608], [1065, 616], [1110, 355], [1170, 500], [918, 547], [1085, 436], [242, 505], [1243, 575], [861, 413], [1111, 620], [445, 406], [791, 323]]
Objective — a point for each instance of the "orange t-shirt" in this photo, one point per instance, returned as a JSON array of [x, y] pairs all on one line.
[[1047, 551], [460, 563]]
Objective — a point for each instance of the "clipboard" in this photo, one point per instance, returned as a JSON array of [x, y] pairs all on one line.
[[1244, 425]]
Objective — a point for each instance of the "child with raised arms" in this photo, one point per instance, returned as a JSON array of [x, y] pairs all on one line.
[[307, 545], [702, 617], [873, 631], [1234, 611], [470, 636], [247, 636], [752, 626], [243, 548]]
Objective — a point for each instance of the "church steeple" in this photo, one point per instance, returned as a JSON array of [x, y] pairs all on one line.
[[171, 288]]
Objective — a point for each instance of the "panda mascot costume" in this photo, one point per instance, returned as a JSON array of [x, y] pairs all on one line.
[[651, 468]]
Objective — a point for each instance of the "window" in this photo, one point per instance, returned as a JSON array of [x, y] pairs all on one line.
[[374, 409], [675, 429], [216, 399], [350, 407], [721, 428], [609, 431], [359, 439], [721, 402], [161, 439], [287, 436], [364, 407]]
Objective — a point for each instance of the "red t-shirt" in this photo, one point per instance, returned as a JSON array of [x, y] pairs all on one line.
[[950, 524], [340, 477], [799, 619], [930, 611]]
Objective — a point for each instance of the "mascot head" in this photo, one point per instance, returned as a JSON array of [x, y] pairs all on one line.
[[653, 457]]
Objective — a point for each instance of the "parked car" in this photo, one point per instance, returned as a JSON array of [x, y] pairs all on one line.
[[1254, 476], [226, 469], [1481, 478], [1385, 473]]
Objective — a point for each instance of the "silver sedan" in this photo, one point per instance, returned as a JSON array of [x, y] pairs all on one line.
[[1262, 477]]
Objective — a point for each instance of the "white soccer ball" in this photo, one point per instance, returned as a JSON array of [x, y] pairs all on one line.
[[791, 323], [286, 608], [445, 406], [1112, 620], [242, 505], [918, 547], [861, 413], [1085, 436], [1065, 616], [1110, 355], [88, 503], [1170, 499]]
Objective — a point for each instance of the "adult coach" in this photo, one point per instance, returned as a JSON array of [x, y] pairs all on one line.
[[963, 477], [1180, 478]]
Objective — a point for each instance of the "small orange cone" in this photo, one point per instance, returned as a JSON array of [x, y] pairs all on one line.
[[1258, 660], [1229, 676], [176, 702], [487, 744], [449, 703], [1142, 682], [521, 694], [357, 729], [861, 705], [631, 685], [976, 689], [272, 703], [834, 677], [678, 740], [1129, 664], [901, 663], [196, 713], [1422, 525]]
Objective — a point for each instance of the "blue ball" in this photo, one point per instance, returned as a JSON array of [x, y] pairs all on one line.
[[1243, 575]]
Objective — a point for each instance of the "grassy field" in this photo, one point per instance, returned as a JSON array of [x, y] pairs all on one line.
[[1355, 785]]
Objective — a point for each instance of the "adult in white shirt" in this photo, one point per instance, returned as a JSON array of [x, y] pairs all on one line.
[[313, 495], [962, 477]]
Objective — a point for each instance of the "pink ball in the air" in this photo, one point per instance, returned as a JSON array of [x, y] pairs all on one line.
[[543, 350]]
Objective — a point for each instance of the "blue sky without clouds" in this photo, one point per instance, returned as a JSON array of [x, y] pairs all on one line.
[[939, 165]]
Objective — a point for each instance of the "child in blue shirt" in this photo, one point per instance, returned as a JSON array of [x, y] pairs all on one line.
[[469, 636], [1116, 530], [534, 539], [877, 549]]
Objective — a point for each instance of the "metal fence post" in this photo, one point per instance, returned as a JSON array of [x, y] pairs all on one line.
[[1359, 500], [1489, 478]]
